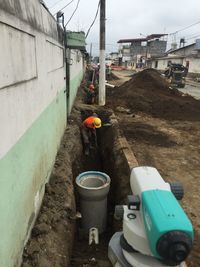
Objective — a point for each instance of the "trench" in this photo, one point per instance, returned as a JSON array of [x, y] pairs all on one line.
[[56, 239], [108, 157]]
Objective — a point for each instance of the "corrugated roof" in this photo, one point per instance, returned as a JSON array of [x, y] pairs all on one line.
[[156, 35], [132, 40], [149, 37], [175, 50]]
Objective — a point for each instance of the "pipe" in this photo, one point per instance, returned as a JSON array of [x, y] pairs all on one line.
[[93, 188]]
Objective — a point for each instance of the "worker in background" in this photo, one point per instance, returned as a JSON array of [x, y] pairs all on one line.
[[90, 94], [88, 131]]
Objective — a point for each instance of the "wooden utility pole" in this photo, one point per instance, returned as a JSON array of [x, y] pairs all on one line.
[[102, 74]]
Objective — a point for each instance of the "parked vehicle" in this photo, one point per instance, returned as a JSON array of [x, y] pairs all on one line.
[[176, 74]]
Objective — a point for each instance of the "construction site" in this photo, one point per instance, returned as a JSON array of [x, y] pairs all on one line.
[[151, 125], [99, 150]]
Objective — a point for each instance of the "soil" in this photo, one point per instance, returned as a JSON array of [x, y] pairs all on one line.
[[112, 77], [52, 236], [148, 92], [162, 127], [56, 239]]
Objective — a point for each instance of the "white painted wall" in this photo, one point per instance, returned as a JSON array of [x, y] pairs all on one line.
[[31, 74], [75, 58], [32, 117], [162, 63], [76, 66], [194, 64]]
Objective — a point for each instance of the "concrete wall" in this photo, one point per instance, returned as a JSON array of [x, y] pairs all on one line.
[[185, 51], [76, 70], [157, 47], [32, 117], [194, 64], [138, 49], [163, 63]]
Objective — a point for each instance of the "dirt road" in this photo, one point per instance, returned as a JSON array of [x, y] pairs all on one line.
[[191, 90], [160, 136]]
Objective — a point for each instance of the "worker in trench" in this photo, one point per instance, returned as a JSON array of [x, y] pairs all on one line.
[[88, 132], [90, 94]]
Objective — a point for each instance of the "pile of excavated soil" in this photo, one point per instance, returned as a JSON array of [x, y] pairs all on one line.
[[112, 77], [162, 127], [149, 92]]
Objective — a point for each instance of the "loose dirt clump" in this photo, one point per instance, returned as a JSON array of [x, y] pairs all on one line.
[[150, 93]]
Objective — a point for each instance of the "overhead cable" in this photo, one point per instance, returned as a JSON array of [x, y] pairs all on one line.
[[192, 37], [73, 13], [65, 6], [55, 4], [93, 20], [185, 28]]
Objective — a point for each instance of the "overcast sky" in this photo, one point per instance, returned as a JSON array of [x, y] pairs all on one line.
[[132, 19]]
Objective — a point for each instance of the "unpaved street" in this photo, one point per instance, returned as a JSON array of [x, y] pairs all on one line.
[[164, 135], [191, 90]]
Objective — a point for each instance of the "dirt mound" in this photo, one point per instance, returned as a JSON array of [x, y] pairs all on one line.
[[149, 92], [112, 77]]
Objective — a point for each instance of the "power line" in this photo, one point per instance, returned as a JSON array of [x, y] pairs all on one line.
[[73, 13], [94, 19], [55, 4], [185, 28], [65, 6], [193, 37]]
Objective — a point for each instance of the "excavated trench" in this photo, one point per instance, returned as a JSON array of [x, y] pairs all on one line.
[[56, 239], [109, 158]]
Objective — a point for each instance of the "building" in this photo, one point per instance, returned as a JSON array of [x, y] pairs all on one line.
[[135, 52], [188, 56]]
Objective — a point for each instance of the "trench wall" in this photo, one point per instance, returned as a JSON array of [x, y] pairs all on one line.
[[33, 116]]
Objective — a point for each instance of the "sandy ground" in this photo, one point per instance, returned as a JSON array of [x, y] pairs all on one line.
[[173, 147]]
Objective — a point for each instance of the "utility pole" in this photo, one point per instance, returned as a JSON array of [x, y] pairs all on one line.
[[102, 74]]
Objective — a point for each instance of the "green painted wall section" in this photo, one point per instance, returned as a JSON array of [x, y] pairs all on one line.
[[24, 170], [74, 85]]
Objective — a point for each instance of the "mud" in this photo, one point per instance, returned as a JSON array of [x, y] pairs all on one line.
[[56, 239], [112, 77], [52, 236], [110, 159], [163, 129], [164, 140], [148, 92]]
